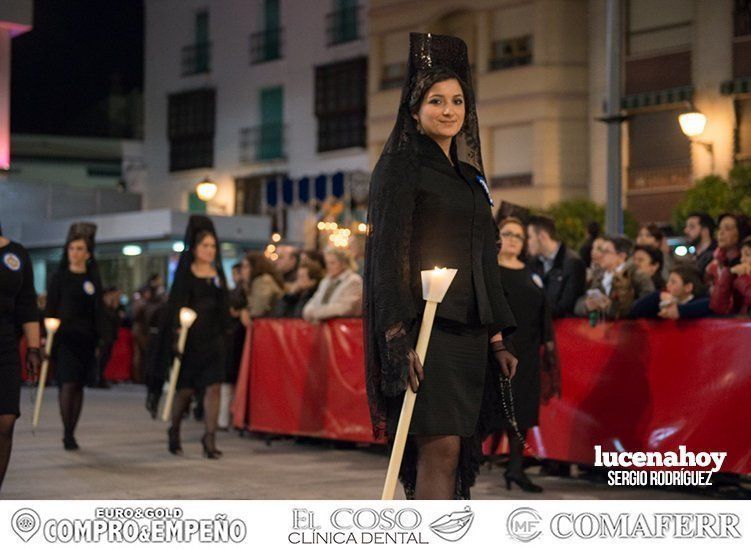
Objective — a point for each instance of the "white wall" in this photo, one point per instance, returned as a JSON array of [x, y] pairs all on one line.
[[169, 27]]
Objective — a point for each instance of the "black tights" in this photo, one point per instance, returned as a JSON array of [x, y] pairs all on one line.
[[210, 406], [71, 401], [515, 449], [7, 422], [437, 461]]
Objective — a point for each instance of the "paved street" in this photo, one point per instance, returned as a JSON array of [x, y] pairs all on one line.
[[123, 455]]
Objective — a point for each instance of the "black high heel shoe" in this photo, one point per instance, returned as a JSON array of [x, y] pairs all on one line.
[[210, 451], [69, 442], [523, 482], [173, 442]]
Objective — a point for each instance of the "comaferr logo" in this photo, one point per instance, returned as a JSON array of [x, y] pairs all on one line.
[[524, 524], [454, 526]]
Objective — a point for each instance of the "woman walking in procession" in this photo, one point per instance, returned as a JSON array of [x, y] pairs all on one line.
[[429, 206]]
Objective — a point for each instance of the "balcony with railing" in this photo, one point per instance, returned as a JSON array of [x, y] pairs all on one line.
[[261, 143], [343, 25], [266, 45], [196, 59]]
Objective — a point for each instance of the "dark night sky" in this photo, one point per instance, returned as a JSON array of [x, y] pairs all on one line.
[[61, 70]]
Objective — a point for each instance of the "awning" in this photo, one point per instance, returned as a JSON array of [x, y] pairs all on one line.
[[741, 84], [658, 97]]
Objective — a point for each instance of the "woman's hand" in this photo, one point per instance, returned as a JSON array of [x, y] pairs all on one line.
[[741, 269], [505, 359], [33, 363], [402, 356]]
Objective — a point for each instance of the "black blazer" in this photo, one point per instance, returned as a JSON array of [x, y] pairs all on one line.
[[565, 281], [435, 215]]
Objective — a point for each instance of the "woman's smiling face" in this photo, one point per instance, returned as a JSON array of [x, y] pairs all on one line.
[[441, 113]]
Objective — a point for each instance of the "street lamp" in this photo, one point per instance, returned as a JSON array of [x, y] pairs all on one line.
[[692, 125], [206, 189]]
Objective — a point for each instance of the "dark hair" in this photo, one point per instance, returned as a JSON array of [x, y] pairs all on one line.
[[237, 266], [315, 271], [746, 242], [593, 229], [654, 254], [654, 230], [543, 223], [260, 265], [200, 235], [690, 275], [705, 220], [621, 244], [314, 256], [424, 80]]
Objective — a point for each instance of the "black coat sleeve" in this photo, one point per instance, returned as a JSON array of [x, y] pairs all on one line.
[[53, 297], [26, 309], [574, 277]]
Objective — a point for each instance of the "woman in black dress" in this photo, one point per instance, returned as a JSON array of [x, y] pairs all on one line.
[[18, 309], [201, 285], [429, 206], [74, 295], [534, 321]]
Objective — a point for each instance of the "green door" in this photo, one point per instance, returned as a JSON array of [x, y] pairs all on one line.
[[271, 136], [202, 41], [195, 204], [272, 20]]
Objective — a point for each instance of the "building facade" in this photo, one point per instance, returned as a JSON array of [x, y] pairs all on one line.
[[266, 98], [540, 81]]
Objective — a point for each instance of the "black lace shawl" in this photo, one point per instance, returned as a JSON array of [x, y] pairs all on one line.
[[388, 296]]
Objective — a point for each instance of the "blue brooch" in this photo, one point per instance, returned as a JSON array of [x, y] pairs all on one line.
[[481, 181]]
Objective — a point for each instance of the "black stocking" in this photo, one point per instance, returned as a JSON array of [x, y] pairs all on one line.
[[437, 461], [516, 452], [211, 413], [7, 422], [180, 406], [71, 401]]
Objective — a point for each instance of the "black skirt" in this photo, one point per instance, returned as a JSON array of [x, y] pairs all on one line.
[[74, 360], [449, 398], [10, 373]]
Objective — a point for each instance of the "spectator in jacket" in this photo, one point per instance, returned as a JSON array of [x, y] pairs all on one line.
[[742, 271], [615, 288], [731, 230], [562, 271], [649, 260], [263, 286], [699, 229], [683, 298], [340, 291], [291, 304]]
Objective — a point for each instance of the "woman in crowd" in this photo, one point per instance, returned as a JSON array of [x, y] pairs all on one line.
[[74, 295], [430, 206], [742, 283], [340, 292], [309, 276], [731, 230], [18, 310], [201, 285], [649, 261], [534, 329], [263, 285]]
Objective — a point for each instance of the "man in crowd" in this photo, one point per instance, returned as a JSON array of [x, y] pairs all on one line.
[[699, 230], [561, 269], [613, 291], [340, 292], [287, 263]]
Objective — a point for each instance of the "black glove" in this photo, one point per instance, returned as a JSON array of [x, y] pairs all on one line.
[[33, 363], [505, 359]]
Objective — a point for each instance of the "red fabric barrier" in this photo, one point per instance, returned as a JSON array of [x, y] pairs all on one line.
[[637, 385]]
